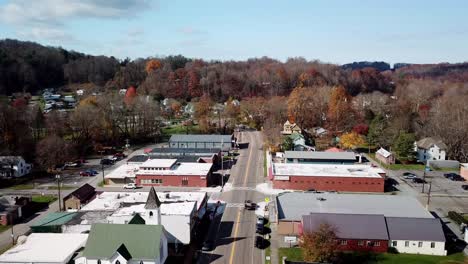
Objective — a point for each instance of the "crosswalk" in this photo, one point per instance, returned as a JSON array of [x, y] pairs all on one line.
[[239, 188], [236, 205]]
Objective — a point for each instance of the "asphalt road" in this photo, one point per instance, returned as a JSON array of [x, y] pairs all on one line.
[[235, 234]]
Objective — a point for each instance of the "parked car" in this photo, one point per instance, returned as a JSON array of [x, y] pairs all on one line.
[[92, 172], [249, 205], [418, 180], [409, 175], [130, 186], [259, 242], [465, 187], [85, 174], [71, 164], [450, 175], [106, 161], [120, 154], [259, 229], [208, 245], [260, 220]]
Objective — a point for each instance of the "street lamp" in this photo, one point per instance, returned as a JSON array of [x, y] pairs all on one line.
[[58, 177]]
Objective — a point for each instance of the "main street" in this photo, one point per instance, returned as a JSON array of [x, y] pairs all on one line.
[[235, 235]]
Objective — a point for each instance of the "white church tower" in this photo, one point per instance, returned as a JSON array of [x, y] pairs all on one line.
[[153, 208]]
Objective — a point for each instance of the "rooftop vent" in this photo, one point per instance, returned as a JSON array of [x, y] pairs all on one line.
[[321, 199]]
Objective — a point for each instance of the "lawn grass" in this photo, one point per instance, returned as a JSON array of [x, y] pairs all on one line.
[[22, 187], [4, 228], [44, 198], [295, 254]]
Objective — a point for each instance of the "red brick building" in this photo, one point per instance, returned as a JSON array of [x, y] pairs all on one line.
[[320, 177], [169, 172], [355, 232]]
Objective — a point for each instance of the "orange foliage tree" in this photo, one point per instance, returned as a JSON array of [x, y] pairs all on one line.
[[152, 65], [351, 140], [340, 112]]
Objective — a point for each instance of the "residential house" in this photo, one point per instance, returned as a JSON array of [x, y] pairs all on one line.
[[416, 235], [124, 243], [430, 148], [354, 232], [299, 143], [79, 197], [13, 167], [319, 131], [189, 109], [290, 128], [45, 248], [385, 156]]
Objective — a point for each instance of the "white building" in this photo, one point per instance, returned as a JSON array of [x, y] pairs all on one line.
[[123, 174], [430, 148], [177, 210], [416, 235], [45, 248], [14, 166]]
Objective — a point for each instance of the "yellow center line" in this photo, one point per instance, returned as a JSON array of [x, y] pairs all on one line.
[[236, 229]]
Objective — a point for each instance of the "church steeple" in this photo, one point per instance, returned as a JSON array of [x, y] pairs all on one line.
[[153, 200]]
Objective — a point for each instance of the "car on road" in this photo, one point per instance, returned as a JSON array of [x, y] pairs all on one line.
[[249, 205], [260, 220], [92, 172], [409, 175], [130, 186], [465, 187], [208, 245], [418, 180], [260, 228]]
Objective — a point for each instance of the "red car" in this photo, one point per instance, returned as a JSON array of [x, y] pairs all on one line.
[[85, 174]]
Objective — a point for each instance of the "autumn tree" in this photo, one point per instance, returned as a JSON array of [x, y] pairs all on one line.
[[351, 140], [319, 245], [307, 105], [152, 65], [404, 147], [52, 151], [203, 112], [340, 113]]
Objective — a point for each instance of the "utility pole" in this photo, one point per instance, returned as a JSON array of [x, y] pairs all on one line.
[[222, 164], [12, 235], [429, 196], [58, 188], [424, 178]]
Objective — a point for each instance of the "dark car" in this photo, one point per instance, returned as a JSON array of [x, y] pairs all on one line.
[[259, 242], [85, 174], [465, 187], [259, 229], [208, 245], [418, 180], [107, 162], [450, 175], [92, 172], [249, 205]]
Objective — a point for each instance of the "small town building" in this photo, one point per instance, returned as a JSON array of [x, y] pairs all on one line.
[[290, 127], [45, 248], [138, 159], [354, 232], [114, 243], [169, 172], [223, 142], [292, 206], [79, 197], [52, 222], [326, 177], [319, 157], [385, 156], [13, 167], [416, 235], [430, 148], [334, 149], [14, 208], [125, 173]]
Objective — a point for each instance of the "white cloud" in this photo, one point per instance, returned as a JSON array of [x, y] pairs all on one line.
[[50, 17], [38, 33]]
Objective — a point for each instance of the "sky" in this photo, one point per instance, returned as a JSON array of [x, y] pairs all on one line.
[[416, 31]]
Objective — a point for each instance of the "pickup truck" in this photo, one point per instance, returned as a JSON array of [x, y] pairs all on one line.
[[130, 186]]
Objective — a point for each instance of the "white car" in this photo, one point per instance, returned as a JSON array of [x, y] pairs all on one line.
[[130, 186]]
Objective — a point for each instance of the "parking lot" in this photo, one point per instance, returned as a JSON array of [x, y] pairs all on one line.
[[439, 184]]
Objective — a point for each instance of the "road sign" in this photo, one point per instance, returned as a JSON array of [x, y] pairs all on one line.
[[267, 200]]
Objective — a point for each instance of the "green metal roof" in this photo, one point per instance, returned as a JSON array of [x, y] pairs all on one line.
[[137, 220], [55, 219], [141, 241]]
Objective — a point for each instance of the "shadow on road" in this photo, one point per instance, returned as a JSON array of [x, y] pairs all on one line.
[[205, 257], [227, 240], [243, 145], [225, 229]]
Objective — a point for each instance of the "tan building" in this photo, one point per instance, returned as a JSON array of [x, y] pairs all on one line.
[[464, 170], [385, 156], [79, 197]]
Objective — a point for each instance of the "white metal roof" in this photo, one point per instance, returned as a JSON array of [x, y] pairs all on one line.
[[45, 248], [183, 168], [384, 152], [112, 201], [320, 155], [292, 206], [123, 171], [318, 170], [158, 163]]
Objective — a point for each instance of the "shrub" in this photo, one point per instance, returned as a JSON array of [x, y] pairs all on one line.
[[456, 217]]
